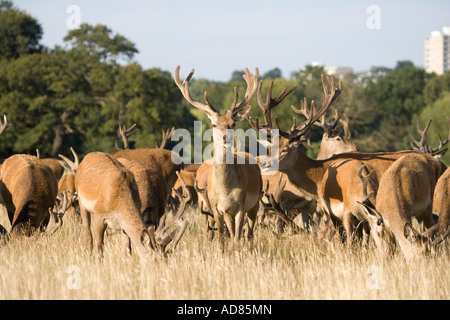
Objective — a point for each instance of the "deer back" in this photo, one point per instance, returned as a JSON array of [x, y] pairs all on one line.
[[28, 189], [158, 160], [152, 191]]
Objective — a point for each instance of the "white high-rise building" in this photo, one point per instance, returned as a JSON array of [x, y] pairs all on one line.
[[437, 51]]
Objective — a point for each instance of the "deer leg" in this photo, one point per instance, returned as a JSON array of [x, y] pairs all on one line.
[[348, 227], [239, 223], [86, 220], [252, 216], [219, 222], [230, 223], [99, 233]]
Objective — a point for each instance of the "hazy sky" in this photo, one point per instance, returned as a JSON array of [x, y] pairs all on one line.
[[217, 38]]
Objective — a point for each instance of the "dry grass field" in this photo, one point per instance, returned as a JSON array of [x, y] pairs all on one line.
[[289, 268]]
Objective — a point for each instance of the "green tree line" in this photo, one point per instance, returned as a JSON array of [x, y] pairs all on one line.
[[77, 95]]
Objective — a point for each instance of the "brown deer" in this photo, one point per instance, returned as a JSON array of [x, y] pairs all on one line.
[[108, 191], [163, 161], [441, 203], [152, 191], [152, 194], [405, 191], [28, 190], [237, 187], [293, 199], [318, 178]]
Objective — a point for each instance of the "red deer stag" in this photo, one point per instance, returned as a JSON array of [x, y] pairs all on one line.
[[318, 179], [237, 187]]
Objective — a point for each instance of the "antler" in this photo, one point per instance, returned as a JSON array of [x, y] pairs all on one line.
[[165, 137], [365, 180], [366, 200], [73, 166], [267, 106], [439, 151], [208, 107], [57, 214], [4, 124], [347, 133], [274, 205], [184, 88], [174, 237], [125, 133], [421, 146], [330, 94]]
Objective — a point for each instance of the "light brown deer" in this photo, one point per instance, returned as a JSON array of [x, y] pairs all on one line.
[[441, 203], [108, 191], [152, 194], [318, 178], [28, 190], [405, 191], [163, 161], [152, 191], [236, 187]]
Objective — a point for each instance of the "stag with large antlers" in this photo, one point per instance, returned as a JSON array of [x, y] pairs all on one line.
[[28, 190], [291, 198], [318, 178], [237, 187]]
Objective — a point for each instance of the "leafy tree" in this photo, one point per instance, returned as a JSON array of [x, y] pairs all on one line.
[[19, 32], [396, 98], [272, 74], [99, 42]]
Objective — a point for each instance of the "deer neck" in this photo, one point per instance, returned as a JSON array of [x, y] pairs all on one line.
[[224, 171], [305, 174]]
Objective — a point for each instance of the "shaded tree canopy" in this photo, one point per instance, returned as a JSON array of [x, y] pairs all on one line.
[[19, 32]]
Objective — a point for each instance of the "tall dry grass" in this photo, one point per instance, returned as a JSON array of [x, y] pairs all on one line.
[[292, 267]]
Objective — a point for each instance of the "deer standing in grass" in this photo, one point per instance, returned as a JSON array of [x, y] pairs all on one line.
[[28, 190], [320, 179], [292, 198], [405, 191], [235, 188], [109, 192]]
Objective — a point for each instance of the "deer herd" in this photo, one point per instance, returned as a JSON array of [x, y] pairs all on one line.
[[361, 196]]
